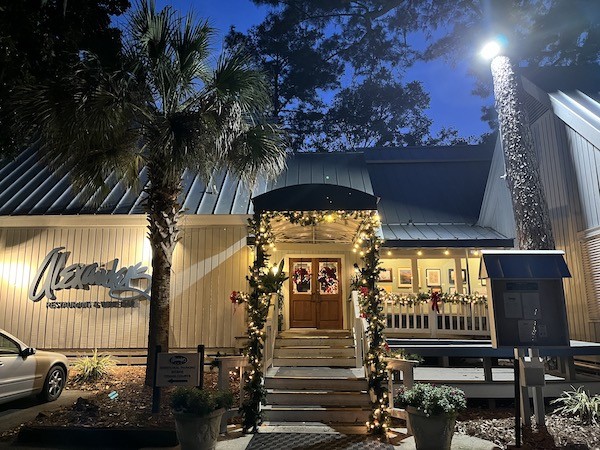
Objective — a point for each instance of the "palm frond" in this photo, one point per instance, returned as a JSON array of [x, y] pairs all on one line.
[[235, 79], [259, 151], [191, 47]]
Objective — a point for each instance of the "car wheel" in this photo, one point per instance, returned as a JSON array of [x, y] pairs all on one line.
[[54, 384]]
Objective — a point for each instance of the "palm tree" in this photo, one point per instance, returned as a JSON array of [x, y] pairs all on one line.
[[165, 108]]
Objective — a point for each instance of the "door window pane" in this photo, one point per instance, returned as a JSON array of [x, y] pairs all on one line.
[[328, 277], [301, 277]]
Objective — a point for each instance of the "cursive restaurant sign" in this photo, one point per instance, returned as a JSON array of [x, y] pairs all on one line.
[[54, 275]]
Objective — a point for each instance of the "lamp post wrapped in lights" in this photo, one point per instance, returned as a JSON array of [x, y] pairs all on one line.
[[532, 218]]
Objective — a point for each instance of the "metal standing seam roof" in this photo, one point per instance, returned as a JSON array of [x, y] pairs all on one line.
[[433, 195], [28, 187], [429, 196]]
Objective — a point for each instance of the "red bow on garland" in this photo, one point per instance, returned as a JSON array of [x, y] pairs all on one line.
[[436, 298]]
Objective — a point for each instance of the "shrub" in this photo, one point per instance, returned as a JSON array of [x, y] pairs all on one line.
[[400, 353], [579, 403], [95, 367], [199, 402], [432, 399]]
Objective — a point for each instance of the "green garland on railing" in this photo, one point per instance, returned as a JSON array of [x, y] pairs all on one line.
[[258, 303], [425, 297], [371, 304]]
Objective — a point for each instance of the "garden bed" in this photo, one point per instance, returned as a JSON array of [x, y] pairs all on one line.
[[128, 411]]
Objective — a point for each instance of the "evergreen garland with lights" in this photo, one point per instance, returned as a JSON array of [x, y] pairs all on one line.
[[258, 303], [425, 297], [373, 310], [259, 300]]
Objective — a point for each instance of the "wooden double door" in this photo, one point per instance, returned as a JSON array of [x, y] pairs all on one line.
[[316, 293]]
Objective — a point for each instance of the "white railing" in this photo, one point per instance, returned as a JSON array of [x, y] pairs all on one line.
[[361, 342], [270, 332], [463, 319]]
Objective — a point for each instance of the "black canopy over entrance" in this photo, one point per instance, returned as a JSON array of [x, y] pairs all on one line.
[[314, 197]]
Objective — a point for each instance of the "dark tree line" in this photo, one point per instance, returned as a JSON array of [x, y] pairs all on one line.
[[42, 40], [337, 67]]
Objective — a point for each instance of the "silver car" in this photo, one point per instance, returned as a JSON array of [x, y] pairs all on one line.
[[25, 371]]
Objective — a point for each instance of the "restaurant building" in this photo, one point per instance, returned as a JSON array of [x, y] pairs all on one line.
[[439, 206]]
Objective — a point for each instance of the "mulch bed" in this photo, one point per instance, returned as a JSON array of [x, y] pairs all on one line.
[[132, 410], [498, 425]]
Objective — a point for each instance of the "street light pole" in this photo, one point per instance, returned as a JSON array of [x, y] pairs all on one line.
[[532, 218]]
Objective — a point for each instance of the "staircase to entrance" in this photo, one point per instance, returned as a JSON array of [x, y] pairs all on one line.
[[314, 378]]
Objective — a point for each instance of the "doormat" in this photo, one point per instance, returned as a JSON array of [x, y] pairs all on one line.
[[315, 441]]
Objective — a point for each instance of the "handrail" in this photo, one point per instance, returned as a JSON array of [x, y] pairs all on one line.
[[361, 340], [462, 319], [270, 331]]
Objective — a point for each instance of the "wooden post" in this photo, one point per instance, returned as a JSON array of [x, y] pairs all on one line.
[[458, 282], [538, 397], [201, 351], [414, 265], [517, 399], [155, 388], [525, 407]]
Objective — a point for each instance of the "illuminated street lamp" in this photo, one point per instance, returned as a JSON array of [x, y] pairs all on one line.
[[532, 219]]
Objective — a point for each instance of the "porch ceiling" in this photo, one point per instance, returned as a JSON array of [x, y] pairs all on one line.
[[339, 232]]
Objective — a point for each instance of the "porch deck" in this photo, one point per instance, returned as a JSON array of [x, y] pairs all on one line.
[[472, 380]]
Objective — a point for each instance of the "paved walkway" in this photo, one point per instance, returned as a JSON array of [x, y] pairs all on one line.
[[318, 436], [17, 412]]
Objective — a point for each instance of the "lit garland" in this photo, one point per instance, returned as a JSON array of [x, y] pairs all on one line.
[[371, 305], [425, 297], [258, 308]]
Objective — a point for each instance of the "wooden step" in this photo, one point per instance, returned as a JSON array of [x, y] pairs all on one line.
[[329, 384], [275, 413], [318, 398], [313, 342], [307, 352], [314, 362], [302, 332]]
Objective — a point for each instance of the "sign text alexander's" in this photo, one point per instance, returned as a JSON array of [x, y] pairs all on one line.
[[54, 274]]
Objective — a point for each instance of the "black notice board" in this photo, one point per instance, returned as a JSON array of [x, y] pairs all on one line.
[[528, 313]]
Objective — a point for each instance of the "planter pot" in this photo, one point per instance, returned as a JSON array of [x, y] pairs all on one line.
[[433, 432], [198, 432]]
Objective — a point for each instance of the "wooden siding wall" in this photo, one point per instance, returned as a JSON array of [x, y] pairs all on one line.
[[496, 208], [209, 263], [569, 166]]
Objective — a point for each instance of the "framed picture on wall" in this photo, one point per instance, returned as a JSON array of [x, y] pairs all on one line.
[[437, 289], [452, 279], [405, 277], [433, 277], [385, 275]]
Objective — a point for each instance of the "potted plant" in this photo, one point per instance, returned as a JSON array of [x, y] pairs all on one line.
[[198, 414], [431, 413]]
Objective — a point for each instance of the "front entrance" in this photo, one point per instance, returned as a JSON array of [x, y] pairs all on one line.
[[315, 293]]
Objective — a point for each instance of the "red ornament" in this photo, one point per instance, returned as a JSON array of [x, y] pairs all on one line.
[[364, 290], [436, 298]]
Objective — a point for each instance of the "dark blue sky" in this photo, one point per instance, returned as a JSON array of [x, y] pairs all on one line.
[[451, 105]]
